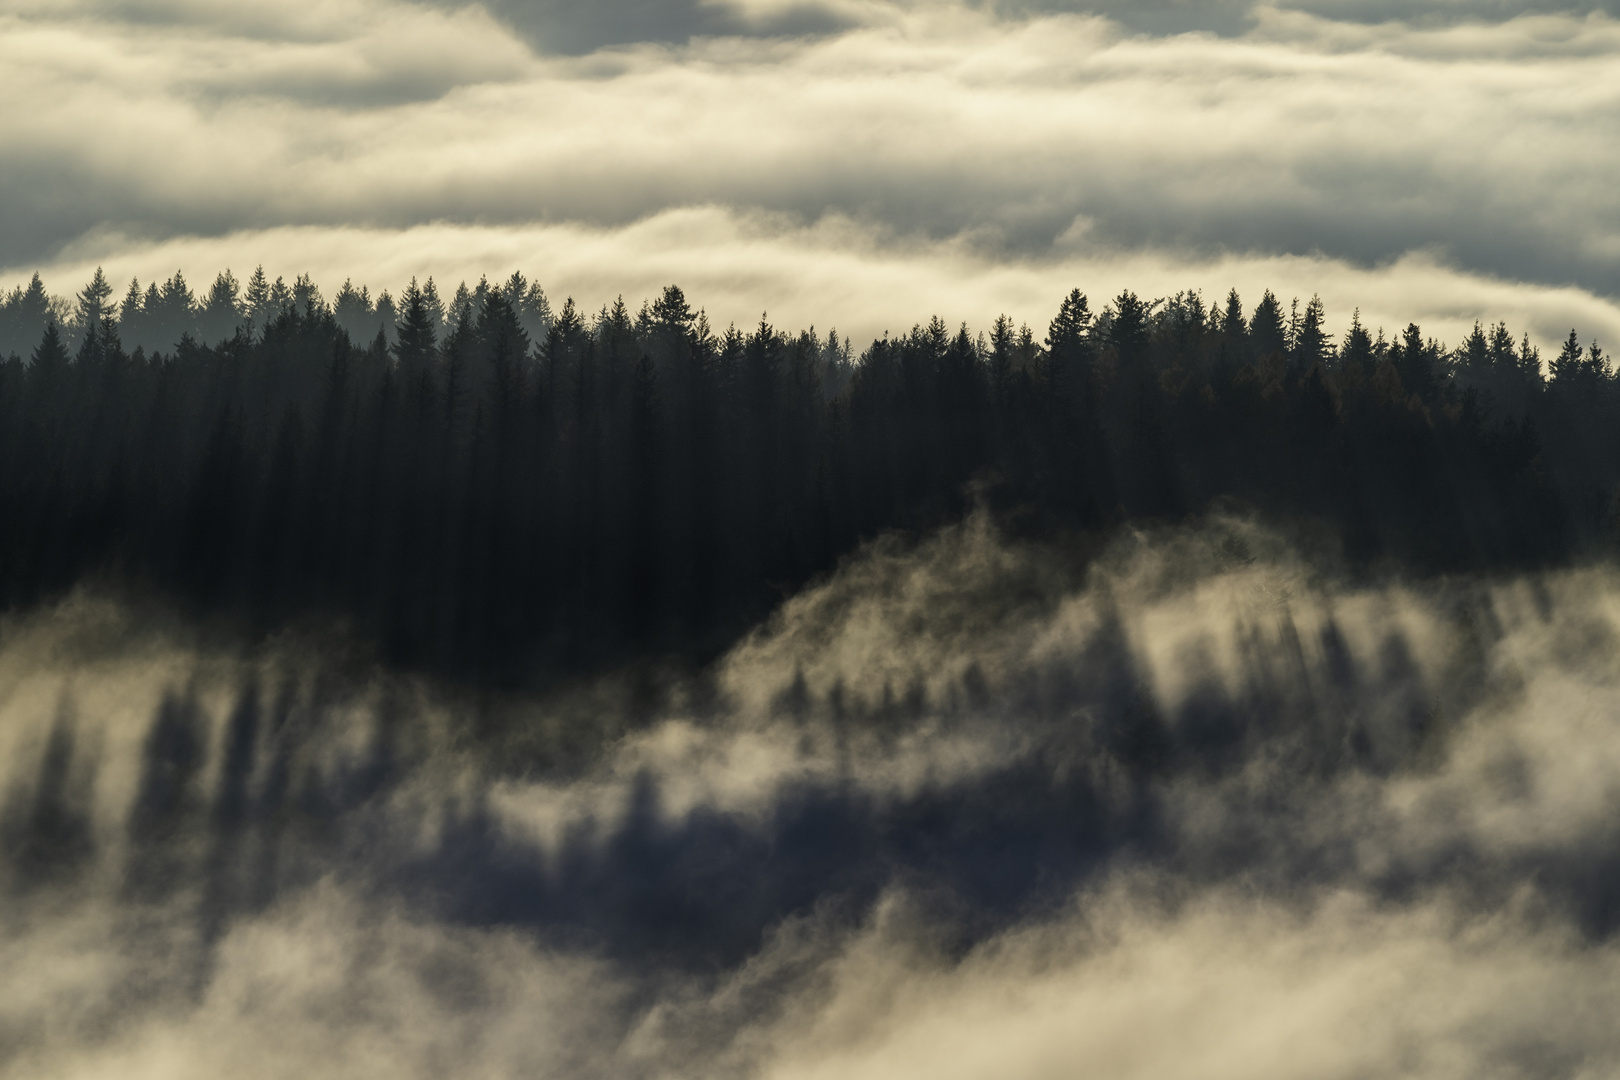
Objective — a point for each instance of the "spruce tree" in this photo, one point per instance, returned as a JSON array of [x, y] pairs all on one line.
[[1266, 329], [92, 304]]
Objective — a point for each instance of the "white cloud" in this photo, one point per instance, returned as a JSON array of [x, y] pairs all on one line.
[[934, 129], [835, 273]]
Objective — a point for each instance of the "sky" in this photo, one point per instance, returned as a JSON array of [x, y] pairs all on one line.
[[858, 164]]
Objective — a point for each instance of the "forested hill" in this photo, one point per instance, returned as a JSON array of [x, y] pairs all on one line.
[[493, 488]]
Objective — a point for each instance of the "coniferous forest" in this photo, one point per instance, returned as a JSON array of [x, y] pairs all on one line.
[[497, 488], [999, 539], [432, 686]]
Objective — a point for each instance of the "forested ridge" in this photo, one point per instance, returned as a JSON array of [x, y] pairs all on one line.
[[491, 487]]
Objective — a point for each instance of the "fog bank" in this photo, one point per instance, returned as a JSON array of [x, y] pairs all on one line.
[[1205, 806]]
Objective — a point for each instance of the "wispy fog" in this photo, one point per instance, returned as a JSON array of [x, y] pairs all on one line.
[[1209, 807]]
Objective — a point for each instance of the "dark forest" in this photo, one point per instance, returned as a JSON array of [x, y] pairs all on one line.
[[486, 487]]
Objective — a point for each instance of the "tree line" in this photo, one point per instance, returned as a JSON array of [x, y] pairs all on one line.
[[489, 486]]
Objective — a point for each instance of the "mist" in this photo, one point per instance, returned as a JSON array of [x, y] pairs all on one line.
[[790, 539], [1205, 806]]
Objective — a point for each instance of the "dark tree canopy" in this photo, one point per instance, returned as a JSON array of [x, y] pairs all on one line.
[[496, 489]]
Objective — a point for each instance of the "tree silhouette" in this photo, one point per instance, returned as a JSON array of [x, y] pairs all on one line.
[[514, 492]]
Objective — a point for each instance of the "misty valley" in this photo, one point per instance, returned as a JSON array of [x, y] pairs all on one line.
[[478, 686]]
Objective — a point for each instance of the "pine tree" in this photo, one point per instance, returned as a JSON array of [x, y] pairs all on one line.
[[1473, 359], [1597, 364], [1311, 344], [1129, 332], [1503, 361], [279, 301], [1529, 362], [1002, 344], [387, 315], [460, 311], [1418, 363], [132, 316], [221, 312], [306, 296], [435, 306], [1234, 328], [1565, 368], [1266, 330], [26, 311], [1357, 350], [256, 301], [1068, 347], [50, 358], [417, 342], [92, 304], [354, 312]]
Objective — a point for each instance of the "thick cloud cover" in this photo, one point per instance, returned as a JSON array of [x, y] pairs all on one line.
[[1206, 809], [1031, 140]]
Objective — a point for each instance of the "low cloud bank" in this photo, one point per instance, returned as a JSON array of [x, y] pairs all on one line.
[[1202, 806], [832, 276]]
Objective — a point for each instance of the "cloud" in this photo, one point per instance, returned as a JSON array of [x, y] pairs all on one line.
[[1448, 12], [556, 26], [1028, 142], [835, 273]]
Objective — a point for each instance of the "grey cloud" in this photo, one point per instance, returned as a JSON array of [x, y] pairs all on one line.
[[1023, 144], [1236, 17], [558, 27], [574, 29], [1447, 12], [1227, 17]]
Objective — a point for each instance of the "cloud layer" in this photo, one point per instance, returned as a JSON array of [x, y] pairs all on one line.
[[1031, 140]]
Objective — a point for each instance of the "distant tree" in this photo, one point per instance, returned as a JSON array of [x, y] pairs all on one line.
[[132, 321], [1473, 358], [282, 300], [1597, 364], [460, 308], [529, 301], [417, 343], [1068, 347], [1566, 368], [1234, 328], [1357, 350], [1003, 342], [354, 311], [1266, 329], [435, 306], [92, 304], [23, 317], [1419, 363], [256, 303], [221, 312], [387, 316], [50, 358], [1129, 332], [1311, 344], [1530, 362]]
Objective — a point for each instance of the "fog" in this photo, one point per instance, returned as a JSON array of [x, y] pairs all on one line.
[[1211, 804]]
